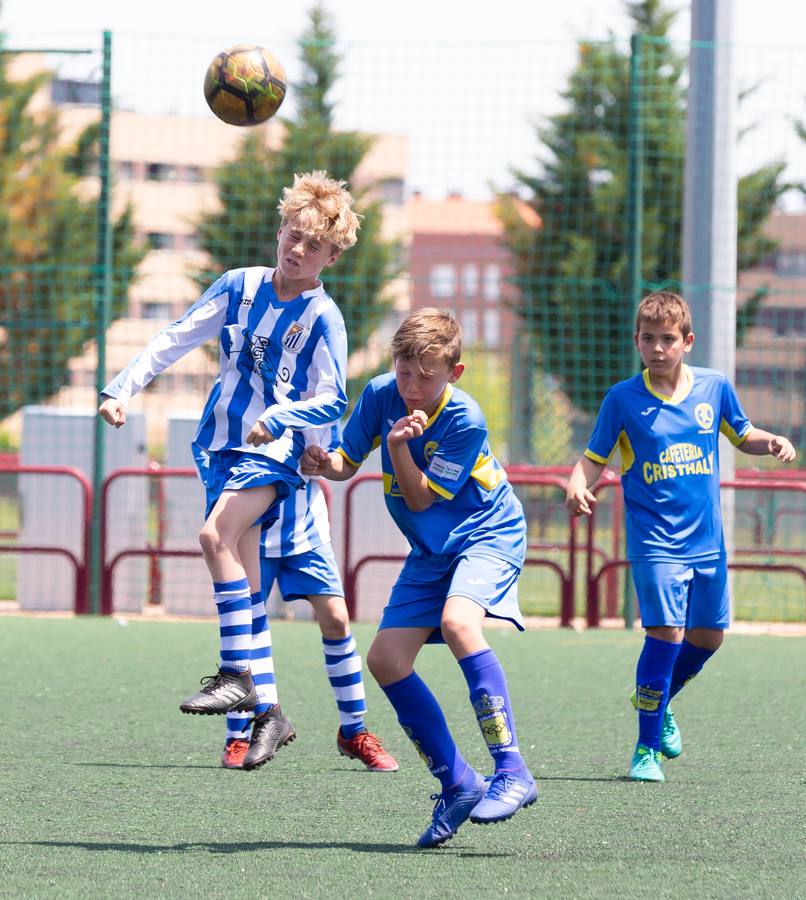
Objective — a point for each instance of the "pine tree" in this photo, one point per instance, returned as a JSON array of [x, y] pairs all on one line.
[[572, 270], [249, 188], [48, 240]]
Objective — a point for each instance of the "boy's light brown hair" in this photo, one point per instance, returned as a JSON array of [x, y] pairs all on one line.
[[664, 306], [428, 330], [322, 208]]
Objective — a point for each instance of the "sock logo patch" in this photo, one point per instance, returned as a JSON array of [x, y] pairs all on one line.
[[492, 717], [648, 699], [423, 755]]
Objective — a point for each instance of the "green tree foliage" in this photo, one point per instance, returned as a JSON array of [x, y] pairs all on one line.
[[249, 188], [48, 240], [572, 269]]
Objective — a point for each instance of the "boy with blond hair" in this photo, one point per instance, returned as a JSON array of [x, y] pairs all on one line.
[[283, 352], [451, 499], [666, 423]]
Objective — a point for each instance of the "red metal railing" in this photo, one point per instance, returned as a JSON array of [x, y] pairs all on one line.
[[744, 483], [517, 476], [79, 562], [154, 551]]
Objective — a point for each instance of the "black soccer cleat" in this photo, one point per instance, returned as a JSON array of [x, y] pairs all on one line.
[[270, 731], [222, 693]]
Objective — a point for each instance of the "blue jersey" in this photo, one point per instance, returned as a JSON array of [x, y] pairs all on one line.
[[475, 507], [670, 461], [283, 363]]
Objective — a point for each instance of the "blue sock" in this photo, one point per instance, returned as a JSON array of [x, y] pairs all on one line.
[[422, 719], [234, 606], [689, 662], [488, 693], [653, 675], [343, 667]]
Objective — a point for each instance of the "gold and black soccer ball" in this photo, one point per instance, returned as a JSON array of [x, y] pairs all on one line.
[[244, 85]]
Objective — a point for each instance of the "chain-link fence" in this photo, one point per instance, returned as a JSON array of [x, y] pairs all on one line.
[[505, 188]]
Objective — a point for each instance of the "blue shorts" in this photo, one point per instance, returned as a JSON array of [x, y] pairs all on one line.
[[688, 595], [424, 584], [303, 575], [234, 470]]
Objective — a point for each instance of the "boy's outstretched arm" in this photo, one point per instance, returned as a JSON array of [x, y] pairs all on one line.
[[764, 443], [333, 466], [579, 501]]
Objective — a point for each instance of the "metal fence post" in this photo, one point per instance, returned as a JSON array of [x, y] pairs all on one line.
[[103, 295]]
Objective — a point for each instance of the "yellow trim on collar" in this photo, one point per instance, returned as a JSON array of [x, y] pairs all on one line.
[[648, 385]]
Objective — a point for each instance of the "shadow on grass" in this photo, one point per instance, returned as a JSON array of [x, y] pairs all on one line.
[[145, 765], [610, 779], [250, 846]]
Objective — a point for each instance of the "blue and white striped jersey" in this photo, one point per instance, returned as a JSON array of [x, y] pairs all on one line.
[[283, 363], [303, 522]]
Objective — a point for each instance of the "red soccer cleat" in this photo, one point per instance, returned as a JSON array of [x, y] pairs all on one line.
[[367, 748], [234, 752]]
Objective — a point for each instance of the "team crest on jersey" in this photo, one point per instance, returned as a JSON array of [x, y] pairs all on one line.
[[429, 450], [294, 338], [704, 414]]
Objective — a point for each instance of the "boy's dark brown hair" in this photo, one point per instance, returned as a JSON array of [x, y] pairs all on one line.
[[663, 306], [428, 330]]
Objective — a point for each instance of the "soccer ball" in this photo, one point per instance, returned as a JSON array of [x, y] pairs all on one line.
[[244, 85]]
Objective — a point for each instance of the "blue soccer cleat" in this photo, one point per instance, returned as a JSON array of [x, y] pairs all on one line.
[[645, 764], [507, 793], [451, 811], [671, 741]]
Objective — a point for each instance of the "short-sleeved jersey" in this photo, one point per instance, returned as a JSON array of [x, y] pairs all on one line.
[[670, 461], [283, 363], [476, 506]]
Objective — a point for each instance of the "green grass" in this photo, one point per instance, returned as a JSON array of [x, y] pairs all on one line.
[[108, 791]]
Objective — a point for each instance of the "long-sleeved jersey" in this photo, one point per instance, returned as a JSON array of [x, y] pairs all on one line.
[[283, 363]]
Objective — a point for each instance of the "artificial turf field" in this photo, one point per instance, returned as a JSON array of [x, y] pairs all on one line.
[[108, 791]]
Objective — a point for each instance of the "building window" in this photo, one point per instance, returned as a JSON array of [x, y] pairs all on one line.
[[443, 281], [790, 263], [194, 174], [154, 309], [784, 321], [160, 240], [125, 170], [391, 190], [469, 321], [491, 285], [492, 329], [161, 172], [81, 93], [470, 280]]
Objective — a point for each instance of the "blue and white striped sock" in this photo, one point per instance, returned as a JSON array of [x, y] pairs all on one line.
[[262, 661], [239, 725], [343, 667], [234, 623]]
